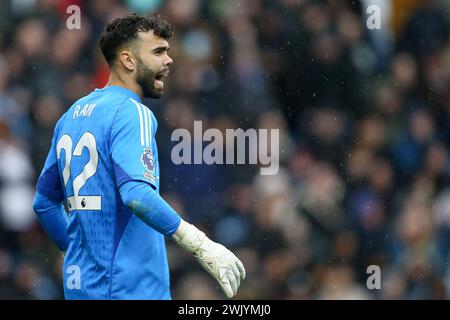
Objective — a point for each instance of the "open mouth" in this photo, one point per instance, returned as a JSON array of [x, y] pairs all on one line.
[[159, 83]]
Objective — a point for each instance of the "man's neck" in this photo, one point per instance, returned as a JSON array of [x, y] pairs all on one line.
[[117, 80]]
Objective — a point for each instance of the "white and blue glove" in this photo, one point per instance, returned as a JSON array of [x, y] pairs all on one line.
[[220, 262]]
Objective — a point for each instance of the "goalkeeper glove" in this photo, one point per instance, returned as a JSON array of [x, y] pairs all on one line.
[[220, 262]]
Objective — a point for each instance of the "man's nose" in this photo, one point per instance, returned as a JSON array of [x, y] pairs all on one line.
[[169, 61]]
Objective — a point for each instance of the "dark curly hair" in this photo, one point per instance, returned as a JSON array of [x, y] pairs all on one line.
[[125, 30]]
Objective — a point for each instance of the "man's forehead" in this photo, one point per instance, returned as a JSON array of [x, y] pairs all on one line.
[[149, 39]]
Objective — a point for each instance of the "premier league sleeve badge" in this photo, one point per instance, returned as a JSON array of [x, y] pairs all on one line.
[[148, 162]]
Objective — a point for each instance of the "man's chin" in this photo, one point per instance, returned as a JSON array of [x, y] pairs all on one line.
[[154, 94]]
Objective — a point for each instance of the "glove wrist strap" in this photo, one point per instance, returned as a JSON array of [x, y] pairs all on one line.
[[188, 237]]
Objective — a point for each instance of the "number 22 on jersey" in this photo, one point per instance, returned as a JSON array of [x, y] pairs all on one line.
[[87, 140]]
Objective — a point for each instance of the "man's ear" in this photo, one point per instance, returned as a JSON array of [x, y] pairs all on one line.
[[127, 59]]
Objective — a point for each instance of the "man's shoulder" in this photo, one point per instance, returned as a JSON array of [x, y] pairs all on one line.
[[135, 109], [97, 104]]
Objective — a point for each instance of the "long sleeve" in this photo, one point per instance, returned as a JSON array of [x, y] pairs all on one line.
[[149, 206], [53, 218]]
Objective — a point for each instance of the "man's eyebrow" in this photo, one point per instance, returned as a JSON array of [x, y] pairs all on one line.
[[161, 48]]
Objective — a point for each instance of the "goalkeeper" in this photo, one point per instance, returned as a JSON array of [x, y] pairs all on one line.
[[103, 165]]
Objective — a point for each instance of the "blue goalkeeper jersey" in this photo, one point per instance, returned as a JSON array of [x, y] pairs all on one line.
[[104, 140]]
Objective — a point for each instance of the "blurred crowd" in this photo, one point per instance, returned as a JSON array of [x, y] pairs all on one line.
[[364, 120]]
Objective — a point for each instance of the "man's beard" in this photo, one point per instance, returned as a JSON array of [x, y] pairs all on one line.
[[146, 80]]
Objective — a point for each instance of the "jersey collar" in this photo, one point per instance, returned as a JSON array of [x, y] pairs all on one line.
[[122, 90]]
